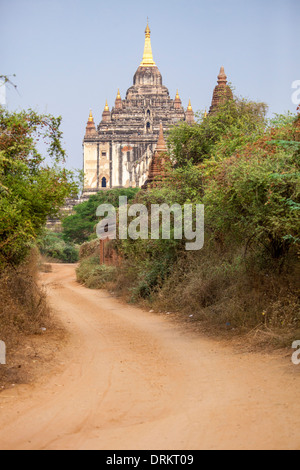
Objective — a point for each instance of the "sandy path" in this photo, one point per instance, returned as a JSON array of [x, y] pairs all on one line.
[[133, 380]]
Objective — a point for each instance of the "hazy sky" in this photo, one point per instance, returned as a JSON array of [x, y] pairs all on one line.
[[72, 55]]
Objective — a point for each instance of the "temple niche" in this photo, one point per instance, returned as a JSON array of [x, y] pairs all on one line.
[[118, 152]]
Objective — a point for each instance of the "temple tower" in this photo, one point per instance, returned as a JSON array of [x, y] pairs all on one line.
[[118, 152], [157, 169], [222, 92]]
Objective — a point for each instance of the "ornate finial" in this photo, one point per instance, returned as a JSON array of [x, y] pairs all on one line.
[[106, 106], [205, 114], [147, 30], [177, 96], [91, 119], [190, 106], [147, 57], [119, 95], [222, 77]]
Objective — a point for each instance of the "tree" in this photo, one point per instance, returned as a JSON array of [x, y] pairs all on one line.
[[226, 129], [80, 227], [30, 189], [253, 196]]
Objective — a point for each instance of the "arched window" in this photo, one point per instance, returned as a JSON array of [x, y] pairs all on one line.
[[103, 183], [148, 126], [149, 113]]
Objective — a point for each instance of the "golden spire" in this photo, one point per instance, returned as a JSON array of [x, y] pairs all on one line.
[[118, 102], [147, 57], [190, 114], [177, 101], [205, 114], [106, 106], [90, 127]]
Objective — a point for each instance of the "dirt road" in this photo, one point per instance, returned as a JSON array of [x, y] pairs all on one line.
[[129, 379]]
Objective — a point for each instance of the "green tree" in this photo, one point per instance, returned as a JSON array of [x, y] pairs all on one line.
[[80, 227], [236, 121], [254, 195], [30, 189]]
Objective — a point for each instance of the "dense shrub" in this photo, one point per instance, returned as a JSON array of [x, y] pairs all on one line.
[[254, 197], [53, 246], [93, 275], [90, 249]]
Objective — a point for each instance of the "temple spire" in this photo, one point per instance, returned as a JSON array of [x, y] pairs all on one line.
[[90, 127], [106, 113], [177, 101], [222, 92], [157, 166], [161, 143], [189, 116], [222, 77], [118, 102], [147, 57], [91, 119]]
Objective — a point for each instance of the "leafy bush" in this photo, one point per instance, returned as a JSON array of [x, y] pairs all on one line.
[[93, 275], [254, 196], [90, 249], [53, 246]]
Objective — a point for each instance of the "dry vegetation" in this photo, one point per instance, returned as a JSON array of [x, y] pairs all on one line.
[[24, 313], [23, 304], [90, 273], [236, 294], [224, 292]]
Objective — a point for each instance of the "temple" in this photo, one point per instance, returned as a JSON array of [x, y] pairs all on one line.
[[119, 151]]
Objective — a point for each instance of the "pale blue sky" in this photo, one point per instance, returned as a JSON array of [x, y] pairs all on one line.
[[70, 55]]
